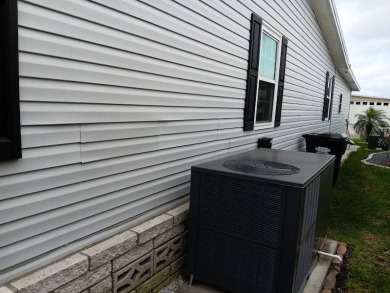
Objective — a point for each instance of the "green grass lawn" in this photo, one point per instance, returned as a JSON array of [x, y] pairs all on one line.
[[360, 216]]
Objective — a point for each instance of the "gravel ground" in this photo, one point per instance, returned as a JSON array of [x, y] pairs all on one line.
[[381, 159]]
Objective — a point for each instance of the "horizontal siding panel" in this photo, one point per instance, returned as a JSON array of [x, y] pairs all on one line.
[[38, 136], [312, 87], [229, 123], [61, 47], [302, 98], [66, 214], [62, 113], [41, 180], [37, 203], [79, 244], [113, 131], [103, 150], [41, 90], [70, 27], [299, 57], [116, 20], [164, 19], [202, 16], [121, 190], [37, 66], [247, 139], [31, 247], [243, 148], [236, 5], [303, 90], [237, 135], [292, 145], [42, 158], [222, 13]]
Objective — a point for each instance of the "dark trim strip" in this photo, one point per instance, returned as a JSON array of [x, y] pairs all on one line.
[[10, 141]]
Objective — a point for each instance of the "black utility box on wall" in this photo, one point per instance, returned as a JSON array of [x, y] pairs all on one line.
[[257, 218]]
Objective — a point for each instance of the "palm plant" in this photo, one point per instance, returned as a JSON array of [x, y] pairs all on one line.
[[371, 121]]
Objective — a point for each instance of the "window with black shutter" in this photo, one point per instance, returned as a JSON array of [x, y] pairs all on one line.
[[340, 103], [265, 79], [328, 97], [10, 145]]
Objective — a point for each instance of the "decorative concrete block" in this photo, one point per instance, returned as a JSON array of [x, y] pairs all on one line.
[[86, 280], [154, 281], [126, 279], [166, 254], [161, 239], [180, 214], [153, 228], [107, 250], [175, 276], [5, 290], [53, 276], [104, 286], [131, 255], [177, 265]]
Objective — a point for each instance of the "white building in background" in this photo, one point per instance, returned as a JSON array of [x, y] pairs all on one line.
[[361, 103]]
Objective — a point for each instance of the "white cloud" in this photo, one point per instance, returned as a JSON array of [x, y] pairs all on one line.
[[366, 30]]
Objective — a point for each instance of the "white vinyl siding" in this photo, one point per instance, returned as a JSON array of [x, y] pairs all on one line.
[[120, 98]]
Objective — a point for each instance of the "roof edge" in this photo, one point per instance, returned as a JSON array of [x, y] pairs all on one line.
[[327, 17]]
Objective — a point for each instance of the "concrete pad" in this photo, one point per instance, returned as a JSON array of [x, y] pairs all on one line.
[[317, 277]]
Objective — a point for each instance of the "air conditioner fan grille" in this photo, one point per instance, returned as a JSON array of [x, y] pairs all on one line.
[[261, 167]]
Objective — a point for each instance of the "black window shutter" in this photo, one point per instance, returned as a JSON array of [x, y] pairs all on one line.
[[10, 144], [326, 104], [331, 96], [253, 71], [340, 102], [282, 71]]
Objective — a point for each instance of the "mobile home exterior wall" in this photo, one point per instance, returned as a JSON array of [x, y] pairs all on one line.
[[120, 98]]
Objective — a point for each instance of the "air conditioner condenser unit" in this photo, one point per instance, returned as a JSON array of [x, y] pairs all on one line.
[[257, 218]]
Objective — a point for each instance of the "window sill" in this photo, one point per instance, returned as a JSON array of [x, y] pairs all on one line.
[[267, 125]]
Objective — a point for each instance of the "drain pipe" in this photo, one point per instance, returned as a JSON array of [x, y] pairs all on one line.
[[331, 255]]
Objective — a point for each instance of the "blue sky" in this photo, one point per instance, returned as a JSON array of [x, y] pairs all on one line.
[[366, 29]]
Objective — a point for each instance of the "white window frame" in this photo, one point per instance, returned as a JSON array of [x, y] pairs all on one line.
[[277, 37]]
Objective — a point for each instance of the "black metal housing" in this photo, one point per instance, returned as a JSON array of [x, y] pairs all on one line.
[[264, 142], [257, 233], [373, 142]]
